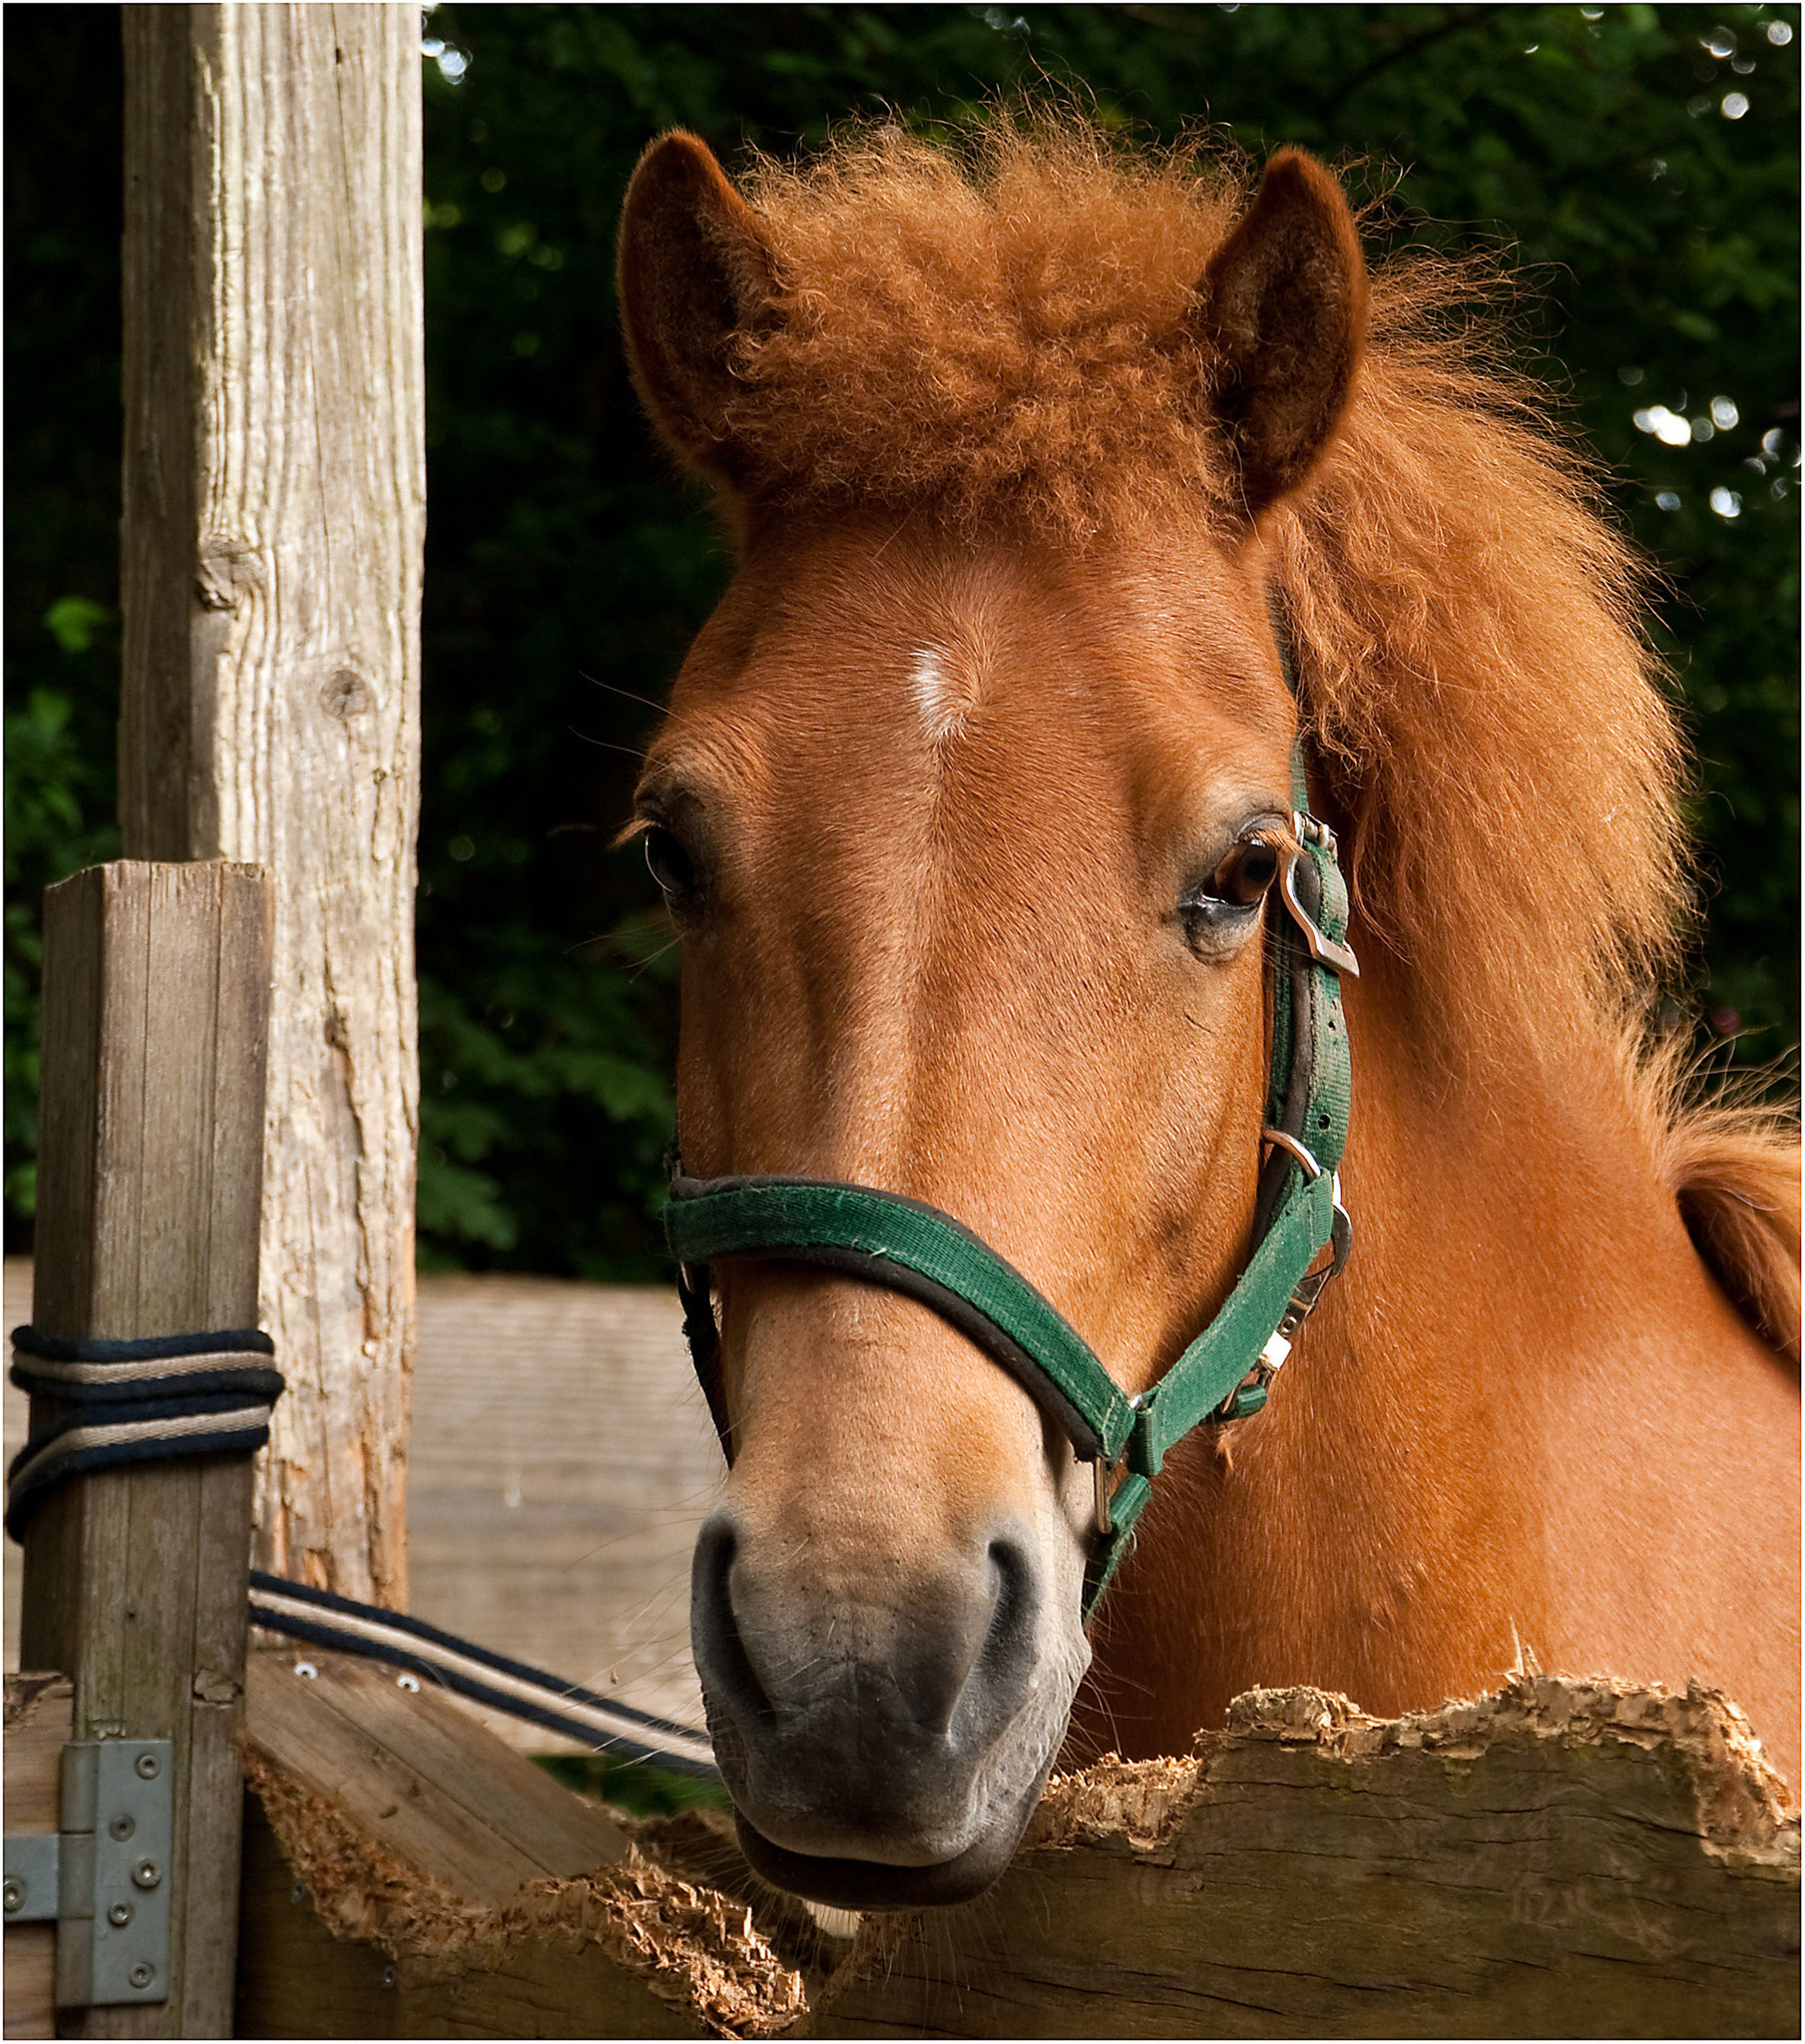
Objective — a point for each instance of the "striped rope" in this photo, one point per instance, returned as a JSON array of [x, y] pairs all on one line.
[[325, 1619], [104, 1404]]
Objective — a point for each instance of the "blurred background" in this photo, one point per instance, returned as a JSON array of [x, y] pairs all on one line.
[[1638, 163]]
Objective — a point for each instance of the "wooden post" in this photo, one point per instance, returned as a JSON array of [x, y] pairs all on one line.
[[274, 506], [155, 1007]]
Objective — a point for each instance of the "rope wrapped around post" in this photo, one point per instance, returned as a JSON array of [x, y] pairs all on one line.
[[174, 1395], [153, 1400]]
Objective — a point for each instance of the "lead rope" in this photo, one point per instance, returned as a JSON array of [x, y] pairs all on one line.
[[109, 1404]]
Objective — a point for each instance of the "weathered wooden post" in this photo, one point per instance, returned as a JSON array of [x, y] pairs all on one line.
[[156, 1011], [275, 514], [271, 573]]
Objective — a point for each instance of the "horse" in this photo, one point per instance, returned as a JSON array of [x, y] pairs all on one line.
[[1078, 489]]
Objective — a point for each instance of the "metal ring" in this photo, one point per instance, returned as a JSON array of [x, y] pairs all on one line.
[[1292, 1149]]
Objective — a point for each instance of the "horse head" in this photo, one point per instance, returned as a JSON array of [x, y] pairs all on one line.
[[969, 818]]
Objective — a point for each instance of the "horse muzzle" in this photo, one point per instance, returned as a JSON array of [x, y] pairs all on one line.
[[884, 1736]]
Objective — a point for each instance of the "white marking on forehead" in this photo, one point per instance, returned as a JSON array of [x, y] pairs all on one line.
[[937, 700]]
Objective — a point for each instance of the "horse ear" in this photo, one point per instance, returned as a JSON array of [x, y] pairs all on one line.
[[1283, 315], [694, 270]]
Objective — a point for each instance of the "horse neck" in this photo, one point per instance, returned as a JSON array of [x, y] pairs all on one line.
[[1379, 1529]]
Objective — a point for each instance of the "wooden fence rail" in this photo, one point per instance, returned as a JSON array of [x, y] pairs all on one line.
[[1563, 1859]]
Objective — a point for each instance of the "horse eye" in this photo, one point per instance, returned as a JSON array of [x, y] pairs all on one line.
[[1244, 875], [669, 864]]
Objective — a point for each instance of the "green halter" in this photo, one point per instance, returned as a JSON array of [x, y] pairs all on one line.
[[909, 1246]]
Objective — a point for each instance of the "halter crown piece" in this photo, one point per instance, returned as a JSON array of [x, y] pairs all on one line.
[[909, 1246]]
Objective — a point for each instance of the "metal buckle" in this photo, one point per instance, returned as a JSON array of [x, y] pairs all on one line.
[[1102, 1523], [1326, 950], [1310, 830], [1311, 1287]]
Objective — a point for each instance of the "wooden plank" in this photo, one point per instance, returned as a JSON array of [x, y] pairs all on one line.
[[413, 1771], [274, 501], [296, 1979], [155, 988], [411, 1832], [39, 1713], [1566, 1858]]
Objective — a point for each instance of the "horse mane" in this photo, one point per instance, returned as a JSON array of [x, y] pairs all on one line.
[[994, 324]]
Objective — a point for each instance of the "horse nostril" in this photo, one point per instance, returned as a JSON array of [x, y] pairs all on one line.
[[1011, 1577], [944, 1655], [721, 1656], [976, 1650], [1010, 1646]]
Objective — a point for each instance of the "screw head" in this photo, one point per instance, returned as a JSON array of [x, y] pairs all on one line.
[[142, 1974], [15, 1895], [119, 1914], [147, 1873], [147, 1765], [121, 1829]]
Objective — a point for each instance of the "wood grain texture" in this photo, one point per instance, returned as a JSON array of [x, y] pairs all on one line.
[[410, 1831], [156, 1004], [275, 502], [40, 1710], [416, 1774], [1566, 1858]]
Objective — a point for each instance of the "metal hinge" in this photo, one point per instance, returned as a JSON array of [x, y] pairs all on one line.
[[102, 1878]]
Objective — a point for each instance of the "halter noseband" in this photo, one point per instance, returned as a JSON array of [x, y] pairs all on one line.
[[912, 1248]]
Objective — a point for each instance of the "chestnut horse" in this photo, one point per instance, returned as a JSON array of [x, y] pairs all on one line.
[[1041, 455]]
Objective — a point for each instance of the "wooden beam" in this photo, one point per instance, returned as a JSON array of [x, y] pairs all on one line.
[[418, 1776], [155, 1007], [1566, 1858], [40, 1711], [275, 503]]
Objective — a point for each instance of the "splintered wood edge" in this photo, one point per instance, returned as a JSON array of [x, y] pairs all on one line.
[[25, 1692], [1744, 1805], [699, 1949], [691, 1945]]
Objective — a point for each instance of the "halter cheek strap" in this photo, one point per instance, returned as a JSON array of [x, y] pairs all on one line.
[[1301, 1238]]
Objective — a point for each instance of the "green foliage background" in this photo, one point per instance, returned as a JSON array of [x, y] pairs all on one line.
[[567, 569]]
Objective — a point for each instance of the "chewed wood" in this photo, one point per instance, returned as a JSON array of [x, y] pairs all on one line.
[[1563, 1858], [411, 1770]]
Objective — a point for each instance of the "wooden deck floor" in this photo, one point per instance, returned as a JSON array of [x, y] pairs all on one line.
[[562, 1460]]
